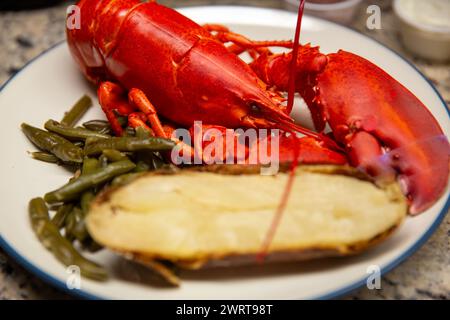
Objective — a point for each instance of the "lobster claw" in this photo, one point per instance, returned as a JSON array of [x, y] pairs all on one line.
[[385, 128]]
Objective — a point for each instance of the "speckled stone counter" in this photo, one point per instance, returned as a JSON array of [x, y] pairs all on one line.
[[426, 275]]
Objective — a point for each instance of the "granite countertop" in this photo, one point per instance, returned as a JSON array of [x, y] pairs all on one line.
[[425, 275]]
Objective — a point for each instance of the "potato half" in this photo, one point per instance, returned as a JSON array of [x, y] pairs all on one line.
[[223, 213]]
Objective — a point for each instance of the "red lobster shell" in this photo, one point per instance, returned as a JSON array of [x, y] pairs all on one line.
[[190, 75]]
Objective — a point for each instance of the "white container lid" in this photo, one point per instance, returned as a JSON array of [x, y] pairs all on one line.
[[418, 13]]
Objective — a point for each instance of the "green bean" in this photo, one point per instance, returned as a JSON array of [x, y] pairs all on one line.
[[86, 200], [61, 248], [126, 178], [143, 156], [129, 132], [45, 157], [103, 126], [70, 223], [147, 161], [76, 174], [89, 165], [107, 131], [38, 213], [142, 166], [97, 125], [53, 143], [72, 133], [157, 162], [152, 159], [59, 218], [79, 230], [103, 160], [142, 133], [75, 226], [129, 144], [89, 141], [114, 155], [77, 111], [73, 189]]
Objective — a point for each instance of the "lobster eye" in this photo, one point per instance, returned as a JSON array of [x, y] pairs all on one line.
[[255, 108]]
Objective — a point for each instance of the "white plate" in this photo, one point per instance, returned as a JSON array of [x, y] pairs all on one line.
[[52, 82]]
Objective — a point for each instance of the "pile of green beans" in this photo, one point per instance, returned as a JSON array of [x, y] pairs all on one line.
[[48, 233], [98, 160]]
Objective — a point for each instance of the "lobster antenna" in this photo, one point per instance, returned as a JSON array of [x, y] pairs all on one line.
[[283, 202], [287, 190], [293, 67]]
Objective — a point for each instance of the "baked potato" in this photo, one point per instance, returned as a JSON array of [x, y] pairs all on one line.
[[194, 218]]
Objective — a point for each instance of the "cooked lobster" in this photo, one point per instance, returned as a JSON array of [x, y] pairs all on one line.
[[151, 61]]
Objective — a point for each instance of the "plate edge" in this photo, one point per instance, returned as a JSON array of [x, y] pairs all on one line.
[[47, 277]]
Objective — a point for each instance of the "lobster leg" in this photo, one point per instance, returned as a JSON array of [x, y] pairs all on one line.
[[112, 99], [137, 100], [141, 102], [246, 43], [148, 112], [273, 69], [138, 119], [214, 27], [309, 150], [241, 44]]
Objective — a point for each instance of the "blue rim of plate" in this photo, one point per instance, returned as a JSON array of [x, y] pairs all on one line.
[[47, 277]]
